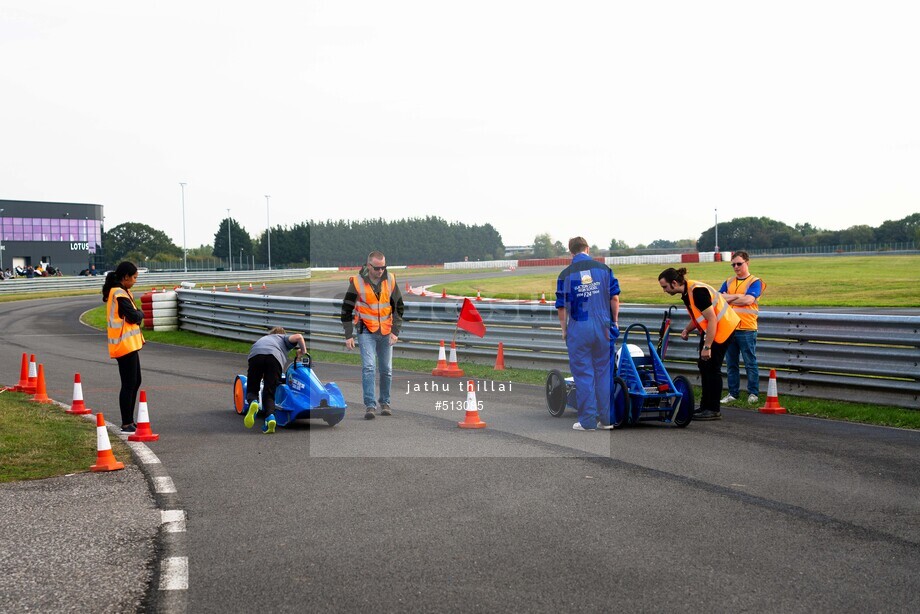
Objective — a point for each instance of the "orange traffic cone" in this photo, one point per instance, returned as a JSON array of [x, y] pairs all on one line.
[[238, 288], [32, 380], [500, 358], [441, 369], [105, 460], [23, 374], [41, 394], [471, 421], [772, 405], [543, 298], [443, 292], [250, 286], [478, 295], [453, 369], [226, 288], [213, 288], [143, 432], [78, 407], [264, 287]]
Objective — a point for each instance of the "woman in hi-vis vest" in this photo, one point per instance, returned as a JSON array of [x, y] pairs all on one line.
[[123, 329]]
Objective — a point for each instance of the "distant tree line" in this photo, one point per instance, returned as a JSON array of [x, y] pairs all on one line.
[[432, 240], [763, 233]]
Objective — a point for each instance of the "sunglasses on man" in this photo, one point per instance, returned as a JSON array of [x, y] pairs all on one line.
[[377, 268]]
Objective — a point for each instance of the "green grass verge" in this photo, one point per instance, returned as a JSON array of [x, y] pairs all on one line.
[[838, 410], [842, 281], [42, 441]]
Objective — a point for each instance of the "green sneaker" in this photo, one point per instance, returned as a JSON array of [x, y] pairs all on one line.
[[250, 418], [269, 427]]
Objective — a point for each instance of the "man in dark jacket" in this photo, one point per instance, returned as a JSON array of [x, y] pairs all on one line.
[[372, 313]]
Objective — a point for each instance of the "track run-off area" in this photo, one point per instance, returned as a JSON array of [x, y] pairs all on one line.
[[410, 512]]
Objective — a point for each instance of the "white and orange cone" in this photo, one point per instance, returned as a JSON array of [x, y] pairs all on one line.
[[441, 369], [32, 381], [105, 459], [264, 287], [78, 407], [472, 420], [250, 286], [543, 298], [143, 432], [453, 369], [772, 405], [238, 288], [478, 295]]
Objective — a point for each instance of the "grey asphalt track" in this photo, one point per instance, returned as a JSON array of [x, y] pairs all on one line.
[[752, 513]]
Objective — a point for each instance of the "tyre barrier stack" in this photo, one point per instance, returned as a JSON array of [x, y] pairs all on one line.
[[161, 310]]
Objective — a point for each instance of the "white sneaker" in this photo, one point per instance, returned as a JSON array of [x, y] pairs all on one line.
[[605, 427], [728, 399], [578, 427], [753, 398]]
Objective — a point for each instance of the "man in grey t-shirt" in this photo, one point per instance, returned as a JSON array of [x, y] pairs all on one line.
[[266, 360]]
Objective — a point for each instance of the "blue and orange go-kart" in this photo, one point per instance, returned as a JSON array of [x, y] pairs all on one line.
[[641, 389], [301, 395]]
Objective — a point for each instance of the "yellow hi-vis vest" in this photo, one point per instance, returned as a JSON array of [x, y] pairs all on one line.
[[747, 313], [124, 337], [376, 313], [726, 319]]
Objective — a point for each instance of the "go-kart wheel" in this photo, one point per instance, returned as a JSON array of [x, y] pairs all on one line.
[[239, 395], [620, 404], [555, 393], [684, 414]]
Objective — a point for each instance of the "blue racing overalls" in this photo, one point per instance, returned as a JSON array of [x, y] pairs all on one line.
[[585, 288]]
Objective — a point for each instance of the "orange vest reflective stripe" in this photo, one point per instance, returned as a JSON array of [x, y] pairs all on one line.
[[376, 313], [747, 313], [726, 319], [124, 337]]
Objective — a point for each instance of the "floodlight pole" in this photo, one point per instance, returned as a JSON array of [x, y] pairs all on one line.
[[268, 231], [717, 231], [184, 248], [229, 244]]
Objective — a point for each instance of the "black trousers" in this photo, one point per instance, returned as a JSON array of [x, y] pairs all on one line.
[[711, 374], [129, 368], [264, 369]]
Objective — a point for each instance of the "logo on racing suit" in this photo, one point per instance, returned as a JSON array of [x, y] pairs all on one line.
[[586, 277]]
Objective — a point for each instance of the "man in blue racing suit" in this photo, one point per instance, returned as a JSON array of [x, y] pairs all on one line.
[[588, 304]]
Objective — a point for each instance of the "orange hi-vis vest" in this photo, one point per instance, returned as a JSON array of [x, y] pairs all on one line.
[[375, 312], [726, 319], [124, 337], [748, 313]]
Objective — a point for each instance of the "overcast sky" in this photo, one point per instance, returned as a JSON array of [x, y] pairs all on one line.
[[629, 120]]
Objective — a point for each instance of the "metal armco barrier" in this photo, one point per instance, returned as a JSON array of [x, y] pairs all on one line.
[[65, 284], [866, 358]]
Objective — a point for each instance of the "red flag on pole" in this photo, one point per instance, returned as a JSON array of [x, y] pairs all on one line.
[[470, 320]]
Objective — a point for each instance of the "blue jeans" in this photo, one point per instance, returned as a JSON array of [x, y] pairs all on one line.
[[743, 345], [376, 356]]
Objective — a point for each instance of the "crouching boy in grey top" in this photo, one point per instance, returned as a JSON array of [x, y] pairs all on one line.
[[266, 360]]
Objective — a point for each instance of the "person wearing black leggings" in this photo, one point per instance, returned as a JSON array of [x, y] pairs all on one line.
[[125, 340], [716, 321]]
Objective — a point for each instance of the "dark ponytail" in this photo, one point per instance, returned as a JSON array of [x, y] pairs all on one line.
[[671, 275], [113, 278]]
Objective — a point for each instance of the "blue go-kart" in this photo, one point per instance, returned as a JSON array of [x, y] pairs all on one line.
[[641, 389], [300, 395]]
